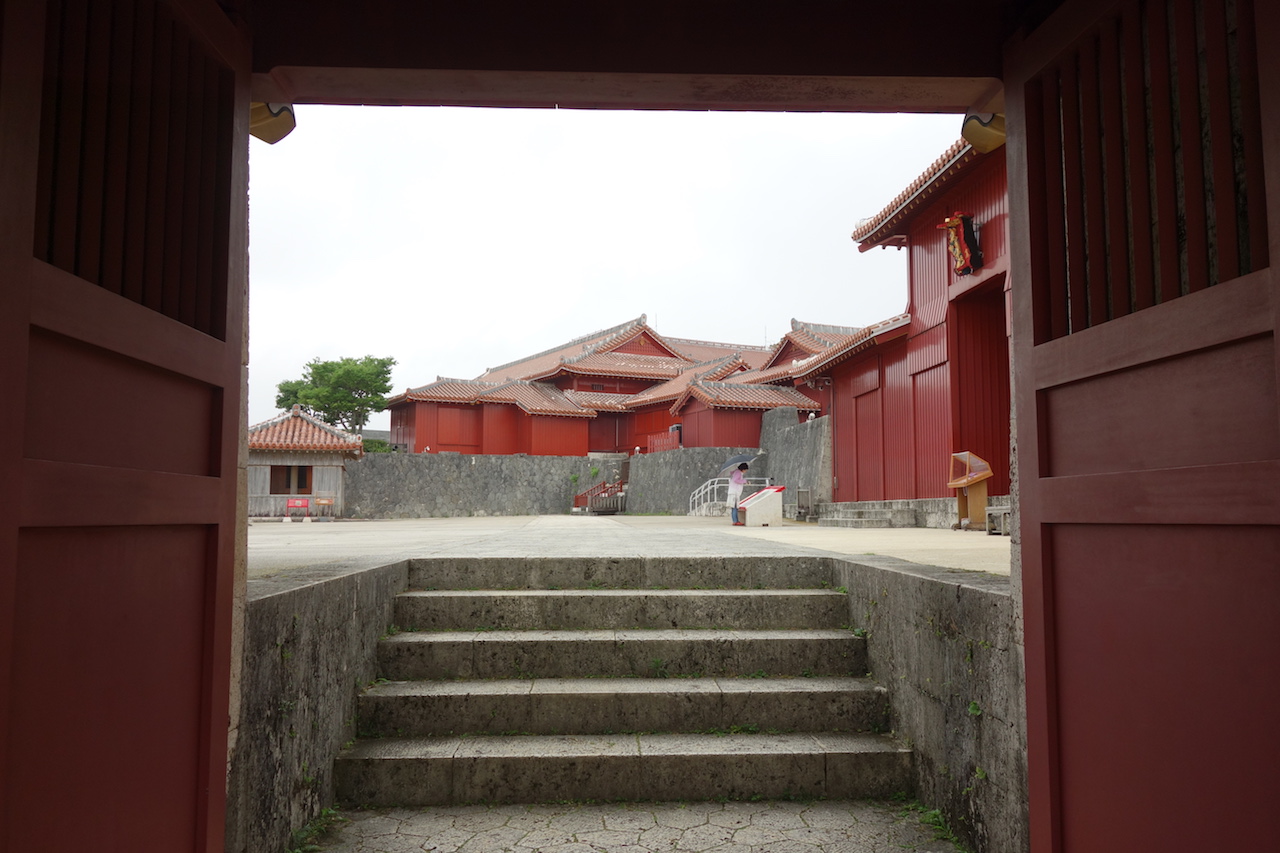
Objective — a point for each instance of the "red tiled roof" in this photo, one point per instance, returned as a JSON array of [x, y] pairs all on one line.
[[888, 329], [444, 391], [542, 363], [816, 339], [891, 222], [704, 351], [713, 370], [536, 398], [296, 430], [729, 395], [622, 364], [600, 401]]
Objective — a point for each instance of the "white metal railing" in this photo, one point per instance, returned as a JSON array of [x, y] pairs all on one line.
[[716, 490]]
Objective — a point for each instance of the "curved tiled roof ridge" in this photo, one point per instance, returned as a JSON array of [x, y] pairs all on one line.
[[297, 430], [604, 334], [867, 227], [739, 347], [819, 329]]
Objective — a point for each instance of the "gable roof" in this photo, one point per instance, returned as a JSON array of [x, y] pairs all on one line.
[[547, 362], [889, 226], [876, 333], [296, 430], [717, 369], [732, 395], [810, 338]]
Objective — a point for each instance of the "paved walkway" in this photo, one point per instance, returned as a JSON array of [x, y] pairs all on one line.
[[773, 827], [275, 547], [278, 550]]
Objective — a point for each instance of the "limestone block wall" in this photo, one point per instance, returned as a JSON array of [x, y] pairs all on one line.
[[798, 455], [948, 646], [436, 485], [662, 482]]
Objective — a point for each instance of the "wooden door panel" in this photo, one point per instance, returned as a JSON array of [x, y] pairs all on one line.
[[1167, 644], [122, 334], [107, 650], [1149, 422]]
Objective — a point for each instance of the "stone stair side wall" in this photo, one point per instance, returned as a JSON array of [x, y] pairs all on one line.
[[310, 647], [948, 646]]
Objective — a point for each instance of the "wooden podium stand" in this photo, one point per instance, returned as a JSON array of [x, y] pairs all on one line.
[[969, 475]]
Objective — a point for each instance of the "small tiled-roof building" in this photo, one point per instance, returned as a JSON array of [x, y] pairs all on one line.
[[296, 466]]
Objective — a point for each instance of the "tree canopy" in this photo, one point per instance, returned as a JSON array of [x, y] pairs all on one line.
[[342, 393]]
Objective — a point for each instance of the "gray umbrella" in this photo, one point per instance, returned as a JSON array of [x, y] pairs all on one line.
[[734, 461]]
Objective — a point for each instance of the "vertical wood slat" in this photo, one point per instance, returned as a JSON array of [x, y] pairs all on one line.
[[70, 124], [175, 203], [1055, 224], [119, 111], [158, 162], [1110, 85], [1255, 189], [220, 151], [1139, 180], [1162, 130], [1221, 158], [206, 250], [1095, 209], [93, 159], [48, 132], [1195, 229], [1044, 300], [189, 271], [139, 153], [1073, 187]]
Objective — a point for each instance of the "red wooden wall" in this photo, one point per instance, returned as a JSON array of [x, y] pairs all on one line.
[[707, 427], [500, 428], [551, 436], [900, 410]]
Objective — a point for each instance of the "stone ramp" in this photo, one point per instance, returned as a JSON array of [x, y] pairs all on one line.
[[752, 688]]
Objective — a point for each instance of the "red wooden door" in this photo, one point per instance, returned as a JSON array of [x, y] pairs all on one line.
[[1145, 218], [121, 250]]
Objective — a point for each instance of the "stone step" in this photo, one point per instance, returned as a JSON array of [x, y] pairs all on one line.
[[565, 609], [412, 656], [796, 572], [598, 705], [859, 523], [533, 768]]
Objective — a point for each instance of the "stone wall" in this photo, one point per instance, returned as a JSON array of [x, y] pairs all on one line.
[[797, 454], [661, 483], [435, 485], [947, 645], [310, 644]]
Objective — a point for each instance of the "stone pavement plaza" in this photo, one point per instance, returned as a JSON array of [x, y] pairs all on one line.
[[290, 550], [276, 547]]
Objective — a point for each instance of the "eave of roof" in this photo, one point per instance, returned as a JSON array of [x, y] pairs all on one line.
[[536, 398], [297, 431], [888, 226], [728, 395], [876, 333]]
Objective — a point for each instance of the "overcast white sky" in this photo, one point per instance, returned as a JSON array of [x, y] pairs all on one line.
[[456, 239]]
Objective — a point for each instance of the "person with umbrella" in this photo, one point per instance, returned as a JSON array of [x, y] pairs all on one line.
[[737, 480]]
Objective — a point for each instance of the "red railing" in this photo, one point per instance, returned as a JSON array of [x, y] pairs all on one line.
[[599, 490], [664, 441]]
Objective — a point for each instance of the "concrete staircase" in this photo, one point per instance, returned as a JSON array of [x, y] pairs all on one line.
[[856, 516], [541, 680]]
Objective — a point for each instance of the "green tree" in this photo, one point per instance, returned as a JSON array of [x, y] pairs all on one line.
[[342, 392]]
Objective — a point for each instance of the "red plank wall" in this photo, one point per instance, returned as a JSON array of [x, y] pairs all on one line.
[[500, 429], [551, 436]]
